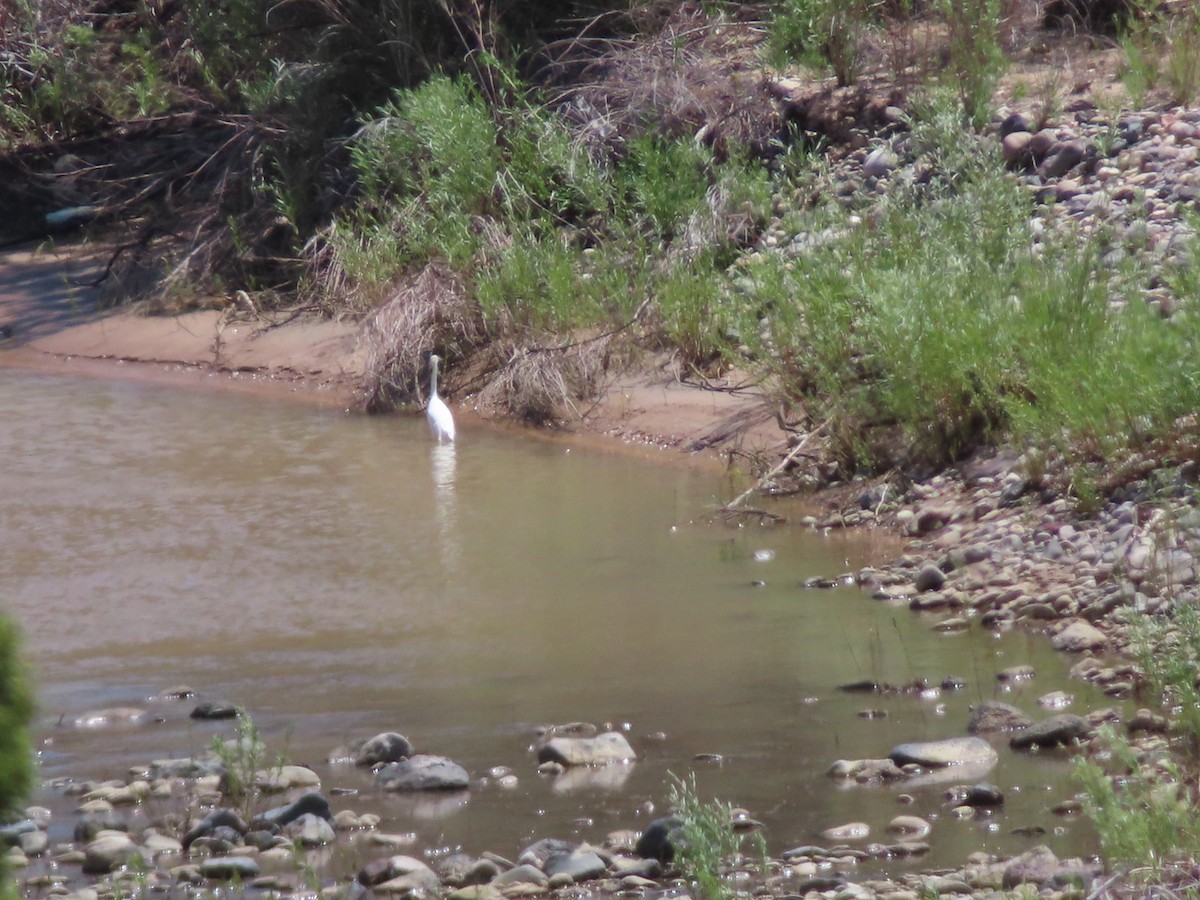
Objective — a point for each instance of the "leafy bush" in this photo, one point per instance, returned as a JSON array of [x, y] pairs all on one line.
[[16, 710], [975, 56], [707, 840], [1162, 48], [549, 236], [934, 311], [824, 32], [1142, 821]]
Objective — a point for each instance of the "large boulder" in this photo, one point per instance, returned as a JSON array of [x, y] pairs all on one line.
[[659, 839], [602, 750], [423, 772], [955, 751], [384, 748]]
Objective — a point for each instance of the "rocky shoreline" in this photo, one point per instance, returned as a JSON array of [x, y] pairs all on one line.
[[993, 545], [989, 549]]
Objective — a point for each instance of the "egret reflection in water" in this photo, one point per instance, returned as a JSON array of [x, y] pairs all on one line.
[[445, 503]]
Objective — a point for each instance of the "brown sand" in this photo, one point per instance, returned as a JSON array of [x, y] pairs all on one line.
[[51, 320]]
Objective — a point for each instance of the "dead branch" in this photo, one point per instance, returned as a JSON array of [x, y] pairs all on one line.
[[741, 498]]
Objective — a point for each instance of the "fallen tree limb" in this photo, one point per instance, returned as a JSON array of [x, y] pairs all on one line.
[[733, 505]]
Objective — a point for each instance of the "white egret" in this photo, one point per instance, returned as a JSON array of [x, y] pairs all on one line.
[[441, 422]]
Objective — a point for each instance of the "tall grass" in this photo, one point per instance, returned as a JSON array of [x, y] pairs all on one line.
[[1162, 50], [838, 34], [550, 236]]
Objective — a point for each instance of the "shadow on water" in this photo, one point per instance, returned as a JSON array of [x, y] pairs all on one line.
[[339, 576]]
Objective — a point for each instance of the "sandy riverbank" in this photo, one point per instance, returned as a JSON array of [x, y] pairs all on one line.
[[52, 319]]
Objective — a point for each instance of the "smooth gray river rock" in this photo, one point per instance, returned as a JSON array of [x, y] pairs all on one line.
[[10, 834], [387, 747], [983, 794], [214, 709], [311, 803], [522, 874], [160, 845], [377, 871], [108, 852], [582, 864], [539, 852], [221, 818], [850, 831], [224, 868], [287, 778], [1079, 636], [406, 877], [658, 841], [865, 771], [423, 772], [955, 751], [311, 831], [604, 749], [930, 578], [90, 825], [34, 843], [909, 827]]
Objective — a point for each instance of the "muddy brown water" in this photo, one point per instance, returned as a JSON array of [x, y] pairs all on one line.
[[339, 576]]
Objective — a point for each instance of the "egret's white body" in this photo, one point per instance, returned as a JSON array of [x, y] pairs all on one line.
[[441, 422]]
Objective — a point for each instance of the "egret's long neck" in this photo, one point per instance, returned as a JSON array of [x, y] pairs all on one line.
[[433, 379]]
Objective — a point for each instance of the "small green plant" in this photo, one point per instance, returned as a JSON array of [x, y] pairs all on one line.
[[1182, 68], [937, 312], [1144, 805], [824, 32], [1143, 818], [708, 840], [1141, 71], [1161, 47], [976, 57], [244, 760], [1167, 650]]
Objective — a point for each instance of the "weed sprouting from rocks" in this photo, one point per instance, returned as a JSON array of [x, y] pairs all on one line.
[[1141, 798], [708, 841]]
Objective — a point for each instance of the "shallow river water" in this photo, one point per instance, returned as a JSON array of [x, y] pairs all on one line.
[[339, 576]]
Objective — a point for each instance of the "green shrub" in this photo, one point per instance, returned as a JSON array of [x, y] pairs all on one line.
[[934, 312], [1141, 821], [549, 237], [824, 32], [976, 59], [1162, 48], [16, 710], [707, 839], [1144, 805]]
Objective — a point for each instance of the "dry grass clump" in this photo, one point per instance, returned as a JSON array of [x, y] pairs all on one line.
[[695, 73], [432, 313], [541, 385], [505, 370]]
